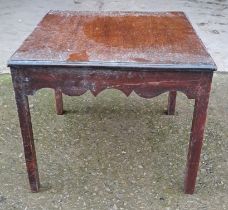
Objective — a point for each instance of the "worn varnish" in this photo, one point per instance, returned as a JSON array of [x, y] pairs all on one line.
[[145, 53], [154, 39]]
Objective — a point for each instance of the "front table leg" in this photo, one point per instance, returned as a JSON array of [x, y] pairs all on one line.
[[28, 141], [196, 141]]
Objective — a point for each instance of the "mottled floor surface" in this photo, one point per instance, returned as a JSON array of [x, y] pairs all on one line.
[[113, 152], [209, 18]]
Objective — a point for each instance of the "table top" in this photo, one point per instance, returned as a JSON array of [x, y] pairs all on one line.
[[152, 40]]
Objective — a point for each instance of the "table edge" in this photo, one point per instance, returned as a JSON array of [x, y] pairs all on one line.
[[190, 67]]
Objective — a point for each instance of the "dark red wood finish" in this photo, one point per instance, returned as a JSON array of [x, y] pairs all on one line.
[[171, 103], [124, 39], [58, 101], [72, 67]]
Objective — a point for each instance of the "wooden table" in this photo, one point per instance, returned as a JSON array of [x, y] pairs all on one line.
[[148, 53]]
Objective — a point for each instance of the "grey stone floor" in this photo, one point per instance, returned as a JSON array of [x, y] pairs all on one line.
[[209, 18], [112, 152]]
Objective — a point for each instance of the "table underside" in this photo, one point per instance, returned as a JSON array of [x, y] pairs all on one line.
[[196, 85]]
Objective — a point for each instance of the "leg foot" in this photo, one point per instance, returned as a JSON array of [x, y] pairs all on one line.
[[171, 102], [58, 102]]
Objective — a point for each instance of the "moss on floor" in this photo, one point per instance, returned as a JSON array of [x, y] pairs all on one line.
[[113, 152]]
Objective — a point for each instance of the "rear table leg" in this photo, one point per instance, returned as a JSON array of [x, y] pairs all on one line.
[[171, 102], [58, 102]]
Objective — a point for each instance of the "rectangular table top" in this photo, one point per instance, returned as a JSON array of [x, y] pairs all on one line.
[[153, 40]]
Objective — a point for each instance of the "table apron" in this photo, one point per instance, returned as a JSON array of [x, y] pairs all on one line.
[[146, 84]]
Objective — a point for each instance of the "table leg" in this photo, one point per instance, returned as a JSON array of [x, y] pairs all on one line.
[[28, 141], [171, 102], [58, 102], [196, 141]]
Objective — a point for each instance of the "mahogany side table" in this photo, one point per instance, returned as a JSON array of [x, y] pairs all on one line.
[[148, 53]]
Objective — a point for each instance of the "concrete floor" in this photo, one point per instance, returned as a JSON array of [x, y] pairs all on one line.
[[209, 18], [113, 152]]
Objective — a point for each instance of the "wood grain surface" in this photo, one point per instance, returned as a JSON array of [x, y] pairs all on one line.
[[124, 39]]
